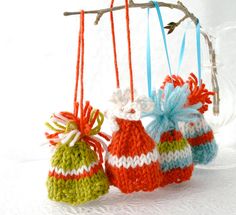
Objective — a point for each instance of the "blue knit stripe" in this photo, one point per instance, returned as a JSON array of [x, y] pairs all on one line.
[[203, 154], [179, 163]]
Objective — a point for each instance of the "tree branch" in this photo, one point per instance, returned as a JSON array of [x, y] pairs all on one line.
[[187, 14]]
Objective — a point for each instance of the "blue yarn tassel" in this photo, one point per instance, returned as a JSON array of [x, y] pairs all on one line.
[[169, 109]]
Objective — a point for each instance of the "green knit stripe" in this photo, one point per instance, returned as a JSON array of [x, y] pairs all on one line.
[[70, 158], [78, 191], [173, 146]]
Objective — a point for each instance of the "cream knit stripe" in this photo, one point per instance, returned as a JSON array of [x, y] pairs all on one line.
[[133, 162], [199, 127], [174, 156], [78, 171]]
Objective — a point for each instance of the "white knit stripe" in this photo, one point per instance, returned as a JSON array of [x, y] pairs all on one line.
[[133, 161], [173, 156], [78, 171], [198, 127]]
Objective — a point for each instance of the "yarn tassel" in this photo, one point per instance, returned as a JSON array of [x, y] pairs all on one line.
[[198, 133]]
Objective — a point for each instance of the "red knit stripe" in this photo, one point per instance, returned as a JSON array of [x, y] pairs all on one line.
[[177, 175], [130, 140], [203, 139], [145, 178], [93, 171], [171, 136]]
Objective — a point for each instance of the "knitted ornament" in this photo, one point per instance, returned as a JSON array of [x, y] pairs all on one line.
[[198, 133], [132, 159], [76, 174], [175, 152]]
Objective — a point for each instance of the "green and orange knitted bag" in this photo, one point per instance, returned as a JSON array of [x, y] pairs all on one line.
[[76, 174]]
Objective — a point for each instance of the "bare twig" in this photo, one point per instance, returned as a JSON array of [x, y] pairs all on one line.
[[187, 14]]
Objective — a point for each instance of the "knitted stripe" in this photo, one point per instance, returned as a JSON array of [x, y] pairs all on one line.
[[130, 140], [173, 146], [177, 175], [178, 163], [145, 178], [172, 156], [203, 139], [174, 135], [80, 173], [204, 153], [177, 158], [198, 128], [133, 162], [75, 191], [132, 147]]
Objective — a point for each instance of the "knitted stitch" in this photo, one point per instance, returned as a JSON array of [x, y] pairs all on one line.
[[176, 165], [201, 138], [132, 162], [76, 174], [175, 152], [198, 133]]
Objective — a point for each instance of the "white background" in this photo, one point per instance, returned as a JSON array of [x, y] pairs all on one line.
[[37, 62]]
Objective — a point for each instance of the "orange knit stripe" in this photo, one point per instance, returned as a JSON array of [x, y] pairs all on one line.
[[171, 136], [203, 139], [131, 139], [145, 178], [93, 171], [177, 175]]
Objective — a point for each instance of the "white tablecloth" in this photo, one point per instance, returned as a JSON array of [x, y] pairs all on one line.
[[210, 191]]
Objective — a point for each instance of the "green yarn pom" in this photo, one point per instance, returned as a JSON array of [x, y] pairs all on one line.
[[76, 191]]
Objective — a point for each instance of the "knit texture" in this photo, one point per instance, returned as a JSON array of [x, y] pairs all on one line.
[[201, 138], [176, 157], [175, 152], [76, 176], [132, 162]]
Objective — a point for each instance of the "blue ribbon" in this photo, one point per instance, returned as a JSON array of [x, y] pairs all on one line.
[[181, 55], [148, 51], [163, 33], [198, 40], [182, 49]]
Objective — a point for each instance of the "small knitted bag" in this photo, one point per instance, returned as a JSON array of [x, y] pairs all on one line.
[[132, 160], [198, 133], [76, 174], [175, 152]]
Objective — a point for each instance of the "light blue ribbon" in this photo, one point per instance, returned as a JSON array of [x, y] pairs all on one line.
[[181, 55], [182, 49], [148, 56], [198, 40], [163, 33]]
